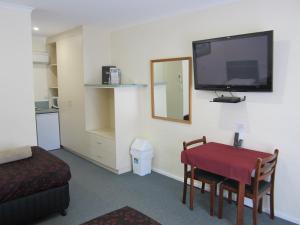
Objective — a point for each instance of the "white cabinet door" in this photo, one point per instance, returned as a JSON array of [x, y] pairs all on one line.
[[48, 131]]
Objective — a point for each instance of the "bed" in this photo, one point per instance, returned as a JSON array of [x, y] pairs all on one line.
[[33, 188]]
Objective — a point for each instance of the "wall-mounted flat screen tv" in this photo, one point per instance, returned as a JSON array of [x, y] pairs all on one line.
[[235, 63]]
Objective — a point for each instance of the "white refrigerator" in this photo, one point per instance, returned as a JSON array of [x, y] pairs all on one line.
[[48, 136]]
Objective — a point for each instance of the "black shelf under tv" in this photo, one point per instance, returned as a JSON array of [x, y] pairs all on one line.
[[226, 99]]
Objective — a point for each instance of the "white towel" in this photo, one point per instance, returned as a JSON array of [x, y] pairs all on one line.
[[11, 155]]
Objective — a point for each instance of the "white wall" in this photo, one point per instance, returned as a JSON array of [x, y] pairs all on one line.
[[40, 71], [271, 119], [17, 118]]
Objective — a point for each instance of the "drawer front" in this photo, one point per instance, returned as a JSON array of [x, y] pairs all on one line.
[[103, 150]]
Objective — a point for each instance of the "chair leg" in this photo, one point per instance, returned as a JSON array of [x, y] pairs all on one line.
[[216, 190], [260, 205], [192, 189], [184, 185], [220, 211], [272, 204], [254, 212], [229, 197], [203, 187], [212, 198]]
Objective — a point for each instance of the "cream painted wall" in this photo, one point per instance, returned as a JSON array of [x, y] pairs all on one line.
[[40, 71], [17, 117], [271, 119]]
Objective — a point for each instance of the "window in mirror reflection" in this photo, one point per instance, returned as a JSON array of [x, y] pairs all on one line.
[[171, 87]]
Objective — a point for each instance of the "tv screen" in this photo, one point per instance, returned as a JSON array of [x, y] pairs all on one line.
[[234, 63]]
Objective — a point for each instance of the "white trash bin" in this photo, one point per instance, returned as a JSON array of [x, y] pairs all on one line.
[[142, 154]]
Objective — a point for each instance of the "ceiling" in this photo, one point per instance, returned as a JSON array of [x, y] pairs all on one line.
[[55, 16]]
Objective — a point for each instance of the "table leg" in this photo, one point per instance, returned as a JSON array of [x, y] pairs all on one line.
[[192, 188], [240, 207]]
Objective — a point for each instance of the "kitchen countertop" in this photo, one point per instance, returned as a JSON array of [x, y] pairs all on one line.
[[43, 111]]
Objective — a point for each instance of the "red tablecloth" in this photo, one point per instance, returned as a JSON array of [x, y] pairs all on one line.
[[225, 160]]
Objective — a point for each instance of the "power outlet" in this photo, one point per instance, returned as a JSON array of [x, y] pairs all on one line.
[[240, 128]]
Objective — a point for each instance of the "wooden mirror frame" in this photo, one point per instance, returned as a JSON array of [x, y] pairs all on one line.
[[189, 90]]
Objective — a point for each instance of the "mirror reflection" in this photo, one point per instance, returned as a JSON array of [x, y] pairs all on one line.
[[171, 85]]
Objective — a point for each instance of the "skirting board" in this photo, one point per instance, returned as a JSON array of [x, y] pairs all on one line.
[[247, 201]]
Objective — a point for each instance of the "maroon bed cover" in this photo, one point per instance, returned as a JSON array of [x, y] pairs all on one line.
[[41, 172]]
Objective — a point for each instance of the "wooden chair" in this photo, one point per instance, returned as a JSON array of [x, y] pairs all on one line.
[[265, 169], [199, 175]]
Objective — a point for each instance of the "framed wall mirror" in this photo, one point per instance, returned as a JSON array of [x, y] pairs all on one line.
[[171, 81]]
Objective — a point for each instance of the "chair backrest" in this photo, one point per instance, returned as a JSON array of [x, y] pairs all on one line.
[[265, 168], [194, 142]]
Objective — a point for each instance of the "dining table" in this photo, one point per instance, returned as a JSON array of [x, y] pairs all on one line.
[[228, 161]]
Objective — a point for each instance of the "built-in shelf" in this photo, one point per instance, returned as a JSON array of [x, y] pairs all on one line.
[[40, 63], [114, 85], [111, 108], [160, 83], [52, 75], [105, 132]]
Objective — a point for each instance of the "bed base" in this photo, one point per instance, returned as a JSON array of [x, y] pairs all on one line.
[[29, 209]]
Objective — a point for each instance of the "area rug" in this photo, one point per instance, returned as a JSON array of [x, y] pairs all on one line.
[[123, 216]]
